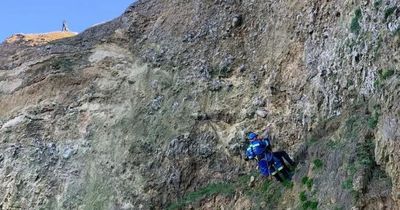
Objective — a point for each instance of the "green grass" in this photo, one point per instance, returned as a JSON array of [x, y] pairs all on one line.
[[61, 64], [352, 169], [304, 180], [308, 182], [303, 196], [207, 191], [266, 186], [312, 140], [314, 204], [268, 191], [353, 125], [305, 203], [309, 205], [355, 25], [288, 184], [98, 193], [317, 164], [347, 184], [373, 120], [386, 73], [389, 11], [377, 4], [378, 83], [365, 153], [383, 75], [335, 144], [355, 194]]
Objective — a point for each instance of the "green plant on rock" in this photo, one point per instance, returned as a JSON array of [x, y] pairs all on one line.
[[267, 191], [389, 11], [308, 182], [312, 140], [317, 164], [382, 76], [266, 186], [377, 3], [288, 184], [305, 203], [335, 144], [355, 194], [386, 73], [314, 205], [62, 64], [378, 83], [347, 184], [373, 120], [352, 169], [354, 124], [355, 25], [365, 153], [304, 180], [209, 190], [309, 205], [303, 196]]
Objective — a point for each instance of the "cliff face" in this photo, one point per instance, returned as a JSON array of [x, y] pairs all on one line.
[[147, 111]]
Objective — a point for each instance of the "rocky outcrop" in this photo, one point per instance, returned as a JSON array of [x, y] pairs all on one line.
[[147, 111]]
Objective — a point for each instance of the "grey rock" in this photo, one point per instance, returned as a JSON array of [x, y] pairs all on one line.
[[215, 85], [242, 68], [258, 101], [237, 21], [68, 152], [262, 113], [155, 104]]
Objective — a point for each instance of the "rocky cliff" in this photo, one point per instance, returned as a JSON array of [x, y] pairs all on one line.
[[147, 111]]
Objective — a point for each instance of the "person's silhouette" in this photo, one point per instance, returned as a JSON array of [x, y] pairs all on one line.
[[64, 26]]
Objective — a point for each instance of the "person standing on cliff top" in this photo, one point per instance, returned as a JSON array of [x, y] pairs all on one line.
[[64, 26]]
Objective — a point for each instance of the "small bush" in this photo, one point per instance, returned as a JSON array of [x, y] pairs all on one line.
[[365, 153], [313, 204], [303, 196], [304, 180], [308, 182], [389, 11], [311, 141], [351, 169], [318, 164], [386, 73], [347, 184], [377, 4], [383, 75], [305, 205], [288, 184], [266, 186], [355, 25], [377, 83], [62, 64], [209, 190], [355, 194], [373, 120]]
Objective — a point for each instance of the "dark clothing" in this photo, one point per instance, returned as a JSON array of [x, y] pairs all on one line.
[[269, 163], [283, 156], [261, 151]]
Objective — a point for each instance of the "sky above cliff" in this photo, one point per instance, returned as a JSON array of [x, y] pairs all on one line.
[[39, 16]]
